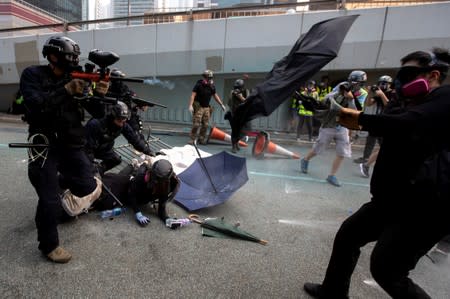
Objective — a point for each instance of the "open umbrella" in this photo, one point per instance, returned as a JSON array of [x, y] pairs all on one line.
[[211, 181], [214, 227], [311, 52]]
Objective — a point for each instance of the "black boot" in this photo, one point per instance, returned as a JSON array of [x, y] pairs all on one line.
[[313, 289], [316, 290]]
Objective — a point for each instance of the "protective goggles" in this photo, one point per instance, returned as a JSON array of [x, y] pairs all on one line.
[[408, 73]]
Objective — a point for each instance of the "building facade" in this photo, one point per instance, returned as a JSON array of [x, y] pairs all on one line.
[[69, 10]]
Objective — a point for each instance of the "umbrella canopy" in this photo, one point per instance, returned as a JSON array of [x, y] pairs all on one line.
[[215, 227], [311, 52], [212, 182]]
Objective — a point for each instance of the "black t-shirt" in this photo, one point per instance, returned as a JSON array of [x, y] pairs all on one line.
[[204, 91]]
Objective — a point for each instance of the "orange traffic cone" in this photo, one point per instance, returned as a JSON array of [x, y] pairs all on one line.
[[263, 144], [221, 135], [260, 145]]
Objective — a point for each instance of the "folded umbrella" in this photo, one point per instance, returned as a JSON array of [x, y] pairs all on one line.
[[214, 227]]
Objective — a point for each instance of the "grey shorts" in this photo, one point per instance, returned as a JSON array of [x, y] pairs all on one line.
[[340, 135]]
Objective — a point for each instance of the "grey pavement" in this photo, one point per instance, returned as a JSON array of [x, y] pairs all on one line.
[[298, 214]]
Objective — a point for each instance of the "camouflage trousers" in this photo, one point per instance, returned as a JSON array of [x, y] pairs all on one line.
[[200, 120]]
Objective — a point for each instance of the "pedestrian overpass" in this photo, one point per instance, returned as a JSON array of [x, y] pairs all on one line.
[[173, 55]]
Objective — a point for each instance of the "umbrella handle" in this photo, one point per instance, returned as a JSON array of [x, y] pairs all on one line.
[[263, 242], [195, 218]]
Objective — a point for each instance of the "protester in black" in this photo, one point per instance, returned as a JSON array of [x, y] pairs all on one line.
[[406, 216], [156, 183], [55, 117], [101, 134], [236, 97]]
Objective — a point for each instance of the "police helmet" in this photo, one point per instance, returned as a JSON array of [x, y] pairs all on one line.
[[119, 111], [64, 48], [207, 74], [386, 79], [357, 77], [238, 84]]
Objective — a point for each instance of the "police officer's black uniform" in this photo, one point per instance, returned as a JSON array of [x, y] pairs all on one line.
[[122, 92], [55, 117], [101, 134]]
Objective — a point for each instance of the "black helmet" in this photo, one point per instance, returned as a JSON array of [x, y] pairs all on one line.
[[161, 170], [238, 84], [64, 48], [160, 175], [119, 111], [207, 74], [357, 77], [385, 78]]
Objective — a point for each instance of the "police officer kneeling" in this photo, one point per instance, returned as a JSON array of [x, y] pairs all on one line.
[[55, 117], [101, 134]]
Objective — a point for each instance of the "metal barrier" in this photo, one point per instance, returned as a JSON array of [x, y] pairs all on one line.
[[131, 156]]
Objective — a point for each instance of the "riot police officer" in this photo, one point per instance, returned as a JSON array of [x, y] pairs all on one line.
[[101, 134], [55, 117], [123, 92]]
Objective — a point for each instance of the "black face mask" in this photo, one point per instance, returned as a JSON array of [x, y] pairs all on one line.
[[68, 62]]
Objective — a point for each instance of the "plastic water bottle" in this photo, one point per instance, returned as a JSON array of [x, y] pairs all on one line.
[[174, 223], [112, 213]]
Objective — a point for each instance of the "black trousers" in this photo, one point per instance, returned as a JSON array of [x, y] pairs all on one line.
[[78, 176], [308, 120], [370, 145], [400, 243], [109, 160]]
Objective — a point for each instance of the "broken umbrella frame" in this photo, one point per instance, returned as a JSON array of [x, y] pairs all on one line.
[[211, 181]]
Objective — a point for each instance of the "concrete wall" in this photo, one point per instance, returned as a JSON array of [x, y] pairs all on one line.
[[179, 52]]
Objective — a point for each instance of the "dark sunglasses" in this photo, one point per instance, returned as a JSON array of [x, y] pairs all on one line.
[[408, 73]]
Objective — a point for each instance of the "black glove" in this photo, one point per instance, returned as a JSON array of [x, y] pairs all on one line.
[[149, 152]]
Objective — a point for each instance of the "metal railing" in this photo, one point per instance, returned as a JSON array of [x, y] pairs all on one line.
[[226, 12]]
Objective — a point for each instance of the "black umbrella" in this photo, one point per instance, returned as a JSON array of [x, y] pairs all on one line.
[[311, 52]]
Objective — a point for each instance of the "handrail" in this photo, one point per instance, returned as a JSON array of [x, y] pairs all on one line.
[[155, 17]]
